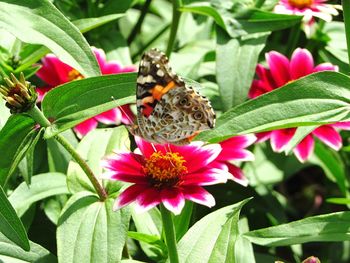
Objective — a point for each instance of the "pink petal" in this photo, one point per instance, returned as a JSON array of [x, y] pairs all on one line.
[[237, 173], [281, 138], [111, 68], [205, 177], [199, 195], [147, 199], [129, 178], [328, 135], [266, 77], [127, 115], [173, 200], [236, 155], [304, 149], [344, 125], [301, 63], [238, 142], [112, 116], [85, 127], [124, 163], [263, 136], [232, 149], [42, 91], [279, 67], [258, 88], [197, 156], [128, 195], [100, 57], [326, 66], [147, 148], [54, 72]]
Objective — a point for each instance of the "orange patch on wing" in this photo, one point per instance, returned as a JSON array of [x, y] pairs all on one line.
[[190, 138], [146, 100], [158, 91]]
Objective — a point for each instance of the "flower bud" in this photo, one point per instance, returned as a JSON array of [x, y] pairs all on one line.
[[20, 95]]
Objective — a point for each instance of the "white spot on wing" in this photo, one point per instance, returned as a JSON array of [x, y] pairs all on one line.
[[160, 73]]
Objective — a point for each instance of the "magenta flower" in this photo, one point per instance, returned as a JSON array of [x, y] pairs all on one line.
[[233, 149], [166, 174], [54, 72], [281, 71], [307, 8]]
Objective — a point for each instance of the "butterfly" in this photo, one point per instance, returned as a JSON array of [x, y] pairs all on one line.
[[168, 111]]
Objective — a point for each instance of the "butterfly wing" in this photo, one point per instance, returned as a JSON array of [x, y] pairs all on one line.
[[168, 111]]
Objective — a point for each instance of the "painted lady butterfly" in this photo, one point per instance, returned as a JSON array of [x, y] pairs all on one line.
[[168, 111]]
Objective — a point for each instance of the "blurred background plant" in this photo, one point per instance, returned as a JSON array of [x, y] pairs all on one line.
[[218, 44]]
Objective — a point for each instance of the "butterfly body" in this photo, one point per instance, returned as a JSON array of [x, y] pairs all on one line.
[[168, 111]]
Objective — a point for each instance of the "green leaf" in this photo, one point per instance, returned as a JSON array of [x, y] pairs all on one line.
[[58, 157], [149, 239], [43, 186], [76, 101], [313, 100], [336, 45], [244, 250], [32, 53], [87, 24], [150, 223], [30, 158], [239, 19], [90, 225], [215, 243], [39, 22], [16, 138], [299, 135], [260, 21], [233, 76], [4, 113], [10, 252], [322, 228], [182, 221], [93, 147], [332, 164], [10, 225], [205, 9]]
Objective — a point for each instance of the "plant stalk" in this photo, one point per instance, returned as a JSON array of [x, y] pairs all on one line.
[[169, 232], [174, 27], [39, 117], [139, 22], [259, 3], [346, 16]]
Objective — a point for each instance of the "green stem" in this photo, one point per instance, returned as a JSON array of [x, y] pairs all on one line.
[[259, 3], [39, 117], [169, 231], [150, 42], [138, 25], [346, 15], [174, 26]]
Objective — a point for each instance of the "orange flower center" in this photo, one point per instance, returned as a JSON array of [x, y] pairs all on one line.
[[164, 169], [74, 75], [300, 3]]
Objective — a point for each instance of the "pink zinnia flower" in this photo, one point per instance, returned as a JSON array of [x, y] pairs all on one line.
[[281, 71], [307, 8], [166, 174], [54, 72], [233, 149]]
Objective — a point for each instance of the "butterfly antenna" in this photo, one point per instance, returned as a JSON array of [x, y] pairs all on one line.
[[123, 111], [154, 147], [168, 149]]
